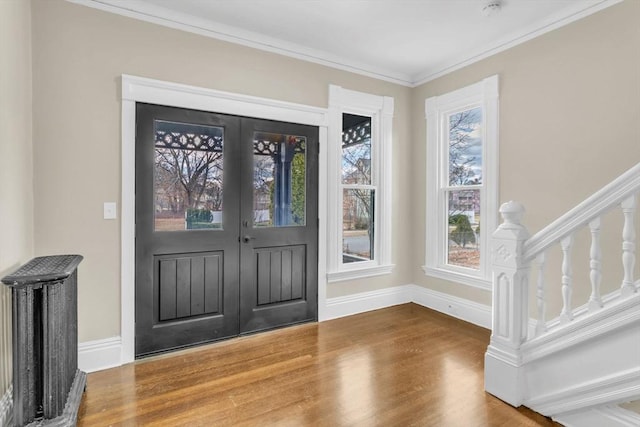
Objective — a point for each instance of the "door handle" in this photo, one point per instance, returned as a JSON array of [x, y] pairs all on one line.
[[247, 238]]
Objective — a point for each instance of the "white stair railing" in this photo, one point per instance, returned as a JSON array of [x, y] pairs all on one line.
[[514, 252]]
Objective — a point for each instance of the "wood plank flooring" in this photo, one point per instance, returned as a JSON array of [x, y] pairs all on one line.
[[401, 366]]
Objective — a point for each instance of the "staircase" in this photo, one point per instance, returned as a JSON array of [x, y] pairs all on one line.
[[577, 366]]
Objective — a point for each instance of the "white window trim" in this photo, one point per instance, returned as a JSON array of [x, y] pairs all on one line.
[[485, 94], [380, 109]]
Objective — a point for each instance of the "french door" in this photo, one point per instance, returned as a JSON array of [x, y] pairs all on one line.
[[226, 226]]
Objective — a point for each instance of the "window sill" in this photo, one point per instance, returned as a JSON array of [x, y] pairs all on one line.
[[465, 279], [360, 273]]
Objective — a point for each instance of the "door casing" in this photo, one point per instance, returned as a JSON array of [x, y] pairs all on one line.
[[139, 89]]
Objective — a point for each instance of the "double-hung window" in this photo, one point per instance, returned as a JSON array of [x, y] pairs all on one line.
[[359, 184], [462, 182]]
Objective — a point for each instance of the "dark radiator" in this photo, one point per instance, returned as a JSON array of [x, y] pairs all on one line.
[[47, 385]]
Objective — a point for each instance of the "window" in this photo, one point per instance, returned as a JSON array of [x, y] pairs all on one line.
[[462, 169], [359, 217]]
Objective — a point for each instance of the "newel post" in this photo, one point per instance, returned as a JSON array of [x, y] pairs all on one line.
[[503, 375]]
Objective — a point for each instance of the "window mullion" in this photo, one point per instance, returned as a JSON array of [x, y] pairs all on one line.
[[358, 187], [463, 187]]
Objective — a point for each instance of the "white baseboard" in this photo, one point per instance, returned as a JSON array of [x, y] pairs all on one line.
[[609, 415], [469, 311], [463, 309], [367, 301], [100, 354], [6, 407], [104, 354]]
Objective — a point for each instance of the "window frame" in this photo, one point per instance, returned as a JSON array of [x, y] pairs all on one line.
[[437, 111], [380, 109]]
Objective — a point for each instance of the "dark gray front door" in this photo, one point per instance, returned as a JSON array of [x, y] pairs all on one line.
[[279, 236], [226, 226]]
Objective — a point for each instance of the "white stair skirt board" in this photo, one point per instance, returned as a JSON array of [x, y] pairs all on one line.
[[607, 371], [100, 354], [616, 387], [6, 407], [608, 415]]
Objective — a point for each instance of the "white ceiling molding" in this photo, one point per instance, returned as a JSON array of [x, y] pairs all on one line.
[[157, 13], [525, 34]]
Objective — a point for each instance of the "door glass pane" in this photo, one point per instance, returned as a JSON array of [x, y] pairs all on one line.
[[279, 180], [465, 147], [357, 225], [356, 149], [464, 228], [188, 166]]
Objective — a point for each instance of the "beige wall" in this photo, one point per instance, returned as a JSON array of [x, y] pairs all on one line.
[[569, 123], [16, 183], [79, 55]]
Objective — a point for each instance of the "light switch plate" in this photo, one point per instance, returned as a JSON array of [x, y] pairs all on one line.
[[110, 210]]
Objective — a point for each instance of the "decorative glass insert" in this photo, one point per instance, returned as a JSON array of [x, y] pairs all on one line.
[[356, 149], [465, 147], [188, 176], [463, 219], [357, 225], [279, 180]]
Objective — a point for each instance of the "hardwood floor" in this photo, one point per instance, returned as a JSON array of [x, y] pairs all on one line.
[[400, 366]]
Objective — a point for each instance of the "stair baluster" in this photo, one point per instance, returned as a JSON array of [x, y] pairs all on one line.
[[595, 263], [628, 245], [517, 363], [541, 326], [567, 279]]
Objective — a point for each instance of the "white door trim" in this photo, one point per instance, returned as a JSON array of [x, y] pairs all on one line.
[[139, 89]]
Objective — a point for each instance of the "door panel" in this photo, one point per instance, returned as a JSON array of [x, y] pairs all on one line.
[[226, 226], [187, 269], [278, 252], [189, 284], [280, 274]]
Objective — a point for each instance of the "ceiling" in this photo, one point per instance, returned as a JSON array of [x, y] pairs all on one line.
[[404, 41]]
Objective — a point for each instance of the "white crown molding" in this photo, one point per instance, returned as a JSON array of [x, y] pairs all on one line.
[[524, 34], [197, 25], [194, 24]]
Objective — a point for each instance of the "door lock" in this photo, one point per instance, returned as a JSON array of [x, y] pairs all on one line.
[[247, 239]]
